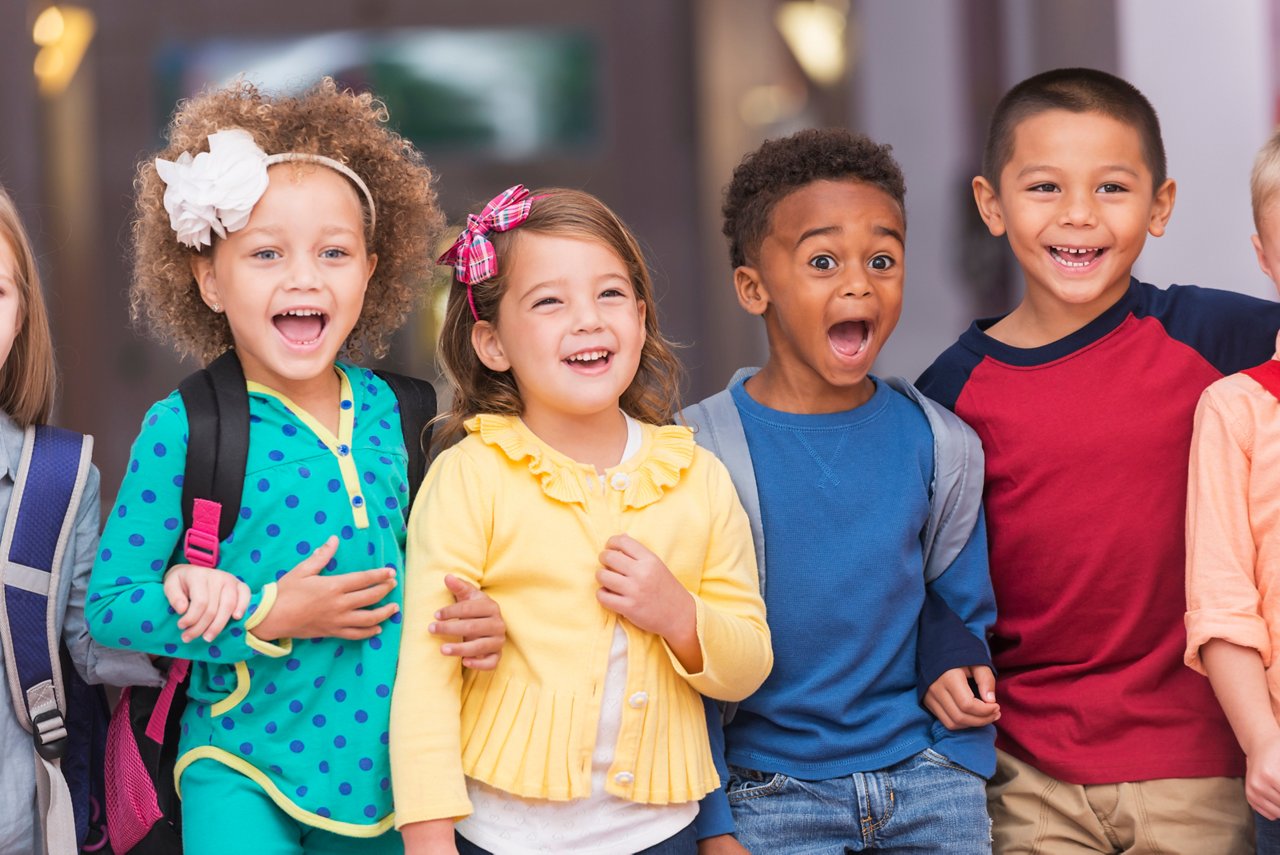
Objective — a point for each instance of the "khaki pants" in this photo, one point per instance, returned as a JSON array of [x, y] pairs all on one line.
[[1034, 814]]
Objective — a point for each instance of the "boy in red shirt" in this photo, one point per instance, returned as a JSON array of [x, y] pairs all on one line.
[[1083, 397]]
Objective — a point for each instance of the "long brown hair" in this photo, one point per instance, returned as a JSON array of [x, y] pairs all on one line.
[[654, 393], [27, 378]]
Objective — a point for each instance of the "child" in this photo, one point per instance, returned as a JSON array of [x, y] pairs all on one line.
[[621, 553], [26, 398], [1083, 397], [834, 752], [1231, 545], [299, 235]]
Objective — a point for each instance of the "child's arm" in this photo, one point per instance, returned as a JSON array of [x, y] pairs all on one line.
[[959, 608], [96, 663], [717, 638], [1240, 682], [1226, 636], [127, 606], [449, 532], [714, 823]]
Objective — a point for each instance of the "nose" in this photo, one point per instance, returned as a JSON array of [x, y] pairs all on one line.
[[587, 316], [856, 283], [304, 272], [1077, 208]]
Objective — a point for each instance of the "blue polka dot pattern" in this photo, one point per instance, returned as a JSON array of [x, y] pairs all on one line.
[[299, 714]]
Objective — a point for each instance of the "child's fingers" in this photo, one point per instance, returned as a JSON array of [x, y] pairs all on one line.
[[357, 633], [480, 608], [483, 663], [364, 618], [243, 594], [479, 648], [175, 593], [462, 590], [613, 602], [470, 628], [367, 596], [315, 562], [198, 596], [225, 606], [938, 704], [612, 580], [380, 577], [986, 680]]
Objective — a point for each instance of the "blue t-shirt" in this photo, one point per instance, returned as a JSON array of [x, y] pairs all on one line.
[[844, 499]]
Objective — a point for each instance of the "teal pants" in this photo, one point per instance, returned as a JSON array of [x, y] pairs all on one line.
[[223, 811]]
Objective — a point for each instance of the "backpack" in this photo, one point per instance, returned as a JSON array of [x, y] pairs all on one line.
[[1267, 375], [143, 811], [66, 717]]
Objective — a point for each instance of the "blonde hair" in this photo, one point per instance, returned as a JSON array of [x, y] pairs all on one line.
[[27, 378], [1264, 180], [654, 393], [340, 124]]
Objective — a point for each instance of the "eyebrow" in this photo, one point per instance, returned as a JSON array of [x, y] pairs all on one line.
[[883, 231], [1044, 167], [560, 280]]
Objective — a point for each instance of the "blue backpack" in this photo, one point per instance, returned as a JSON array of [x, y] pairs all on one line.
[[67, 718]]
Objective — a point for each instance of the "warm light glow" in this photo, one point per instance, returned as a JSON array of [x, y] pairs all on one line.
[[762, 106], [63, 33], [814, 30], [49, 27]]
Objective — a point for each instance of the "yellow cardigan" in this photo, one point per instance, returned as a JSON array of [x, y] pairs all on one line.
[[527, 524]]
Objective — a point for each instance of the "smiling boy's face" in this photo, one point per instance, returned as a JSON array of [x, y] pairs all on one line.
[[1077, 201], [828, 279]]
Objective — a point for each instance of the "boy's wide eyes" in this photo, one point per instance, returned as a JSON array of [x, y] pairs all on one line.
[[881, 262], [822, 262]]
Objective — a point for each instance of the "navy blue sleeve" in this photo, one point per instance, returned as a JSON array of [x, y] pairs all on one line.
[[1231, 331], [714, 816], [945, 378], [944, 643]]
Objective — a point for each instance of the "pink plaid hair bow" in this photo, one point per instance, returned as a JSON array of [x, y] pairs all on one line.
[[472, 255]]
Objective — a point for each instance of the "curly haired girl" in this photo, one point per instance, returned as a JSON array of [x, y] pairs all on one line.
[[293, 230]]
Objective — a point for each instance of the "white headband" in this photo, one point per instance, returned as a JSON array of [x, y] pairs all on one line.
[[215, 191]]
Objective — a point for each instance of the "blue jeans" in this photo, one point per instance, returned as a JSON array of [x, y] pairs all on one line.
[[683, 842], [923, 804], [1268, 834]]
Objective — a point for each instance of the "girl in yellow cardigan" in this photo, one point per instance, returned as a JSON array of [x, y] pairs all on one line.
[[619, 551]]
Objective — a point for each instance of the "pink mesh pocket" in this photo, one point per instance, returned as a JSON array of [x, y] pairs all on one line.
[[131, 794]]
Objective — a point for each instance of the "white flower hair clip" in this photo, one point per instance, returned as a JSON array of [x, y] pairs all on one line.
[[214, 192]]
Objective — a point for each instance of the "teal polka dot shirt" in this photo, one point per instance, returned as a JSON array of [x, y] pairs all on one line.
[[306, 719]]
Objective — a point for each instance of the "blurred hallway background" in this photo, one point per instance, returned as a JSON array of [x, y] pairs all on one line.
[[647, 104]]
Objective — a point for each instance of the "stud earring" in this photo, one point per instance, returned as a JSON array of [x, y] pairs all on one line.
[[217, 308]]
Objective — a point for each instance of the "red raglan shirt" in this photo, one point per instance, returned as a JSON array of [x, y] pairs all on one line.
[[1086, 443]]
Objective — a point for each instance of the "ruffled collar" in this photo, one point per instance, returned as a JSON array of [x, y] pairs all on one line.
[[664, 454]]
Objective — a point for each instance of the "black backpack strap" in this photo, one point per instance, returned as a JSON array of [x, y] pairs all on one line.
[[417, 408], [217, 403]]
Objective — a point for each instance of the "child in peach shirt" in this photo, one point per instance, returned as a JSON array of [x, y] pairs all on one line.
[[1233, 538]]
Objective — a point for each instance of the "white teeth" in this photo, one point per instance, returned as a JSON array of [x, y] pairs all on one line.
[[303, 313], [589, 356]]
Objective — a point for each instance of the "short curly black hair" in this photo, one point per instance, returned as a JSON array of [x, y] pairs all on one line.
[[781, 166]]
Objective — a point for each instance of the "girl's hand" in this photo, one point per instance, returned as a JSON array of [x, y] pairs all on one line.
[[432, 837], [477, 620], [309, 605], [952, 702], [636, 584], [206, 597]]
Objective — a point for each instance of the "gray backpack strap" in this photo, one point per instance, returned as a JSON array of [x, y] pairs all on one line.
[[717, 427], [955, 495]]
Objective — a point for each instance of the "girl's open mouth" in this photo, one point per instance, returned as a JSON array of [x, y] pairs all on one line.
[[1075, 257], [588, 360], [301, 326], [849, 338]]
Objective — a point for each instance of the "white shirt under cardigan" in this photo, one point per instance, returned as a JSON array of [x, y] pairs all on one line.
[[601, 824]]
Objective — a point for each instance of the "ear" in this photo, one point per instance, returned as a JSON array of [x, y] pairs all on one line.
[[206, 280], [373, 266], [644, 313], [1162, 207], [1262, 257], [488, 347], [988, 201], [752, 294]]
